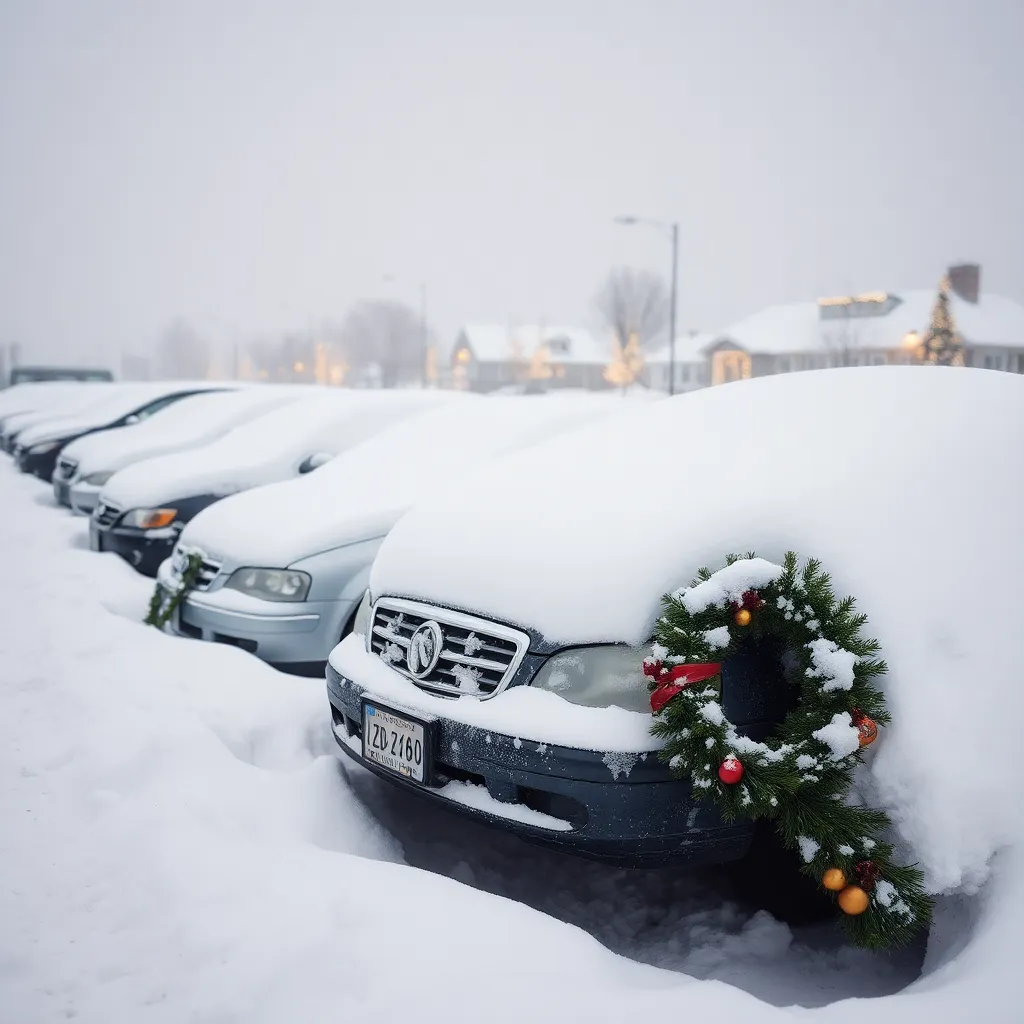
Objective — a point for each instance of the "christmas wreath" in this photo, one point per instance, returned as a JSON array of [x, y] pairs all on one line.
[[163, 604], [801, 778]]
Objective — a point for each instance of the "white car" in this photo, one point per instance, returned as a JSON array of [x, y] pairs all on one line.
[[85, 465], [285, 567], [142, 508]]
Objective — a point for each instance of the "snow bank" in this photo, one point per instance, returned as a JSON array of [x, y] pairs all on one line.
[[180, 843], [360, 494], [906, 482]]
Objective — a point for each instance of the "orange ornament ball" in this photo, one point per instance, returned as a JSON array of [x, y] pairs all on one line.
[[743, 617], [867, 730], [853, 900], [834, 880]]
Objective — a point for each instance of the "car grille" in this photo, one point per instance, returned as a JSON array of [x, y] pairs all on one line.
[[208, 571], [66, 468], [476, 656], [107, 514]]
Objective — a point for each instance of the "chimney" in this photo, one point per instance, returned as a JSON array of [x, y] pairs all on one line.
[[965, 280]]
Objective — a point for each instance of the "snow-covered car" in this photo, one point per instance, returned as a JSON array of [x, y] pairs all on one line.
[[85, 465], [544, 574], [29, 404], [39, 445], [142, 509], [285, 567]]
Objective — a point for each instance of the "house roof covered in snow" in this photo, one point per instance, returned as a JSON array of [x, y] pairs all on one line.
[[800, 327], [499, 343], [690, 348]]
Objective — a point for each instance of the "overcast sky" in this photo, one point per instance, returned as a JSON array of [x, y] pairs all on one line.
[[259, 165]]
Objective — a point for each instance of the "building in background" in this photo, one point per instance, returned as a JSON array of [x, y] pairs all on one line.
[[488, 357], [692, 366], [874, 329]]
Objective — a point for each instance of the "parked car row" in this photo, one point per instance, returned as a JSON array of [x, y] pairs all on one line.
[[478, 577]]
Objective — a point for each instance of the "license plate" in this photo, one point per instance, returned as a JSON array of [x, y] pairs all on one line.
[[394, 742], [95, 538]]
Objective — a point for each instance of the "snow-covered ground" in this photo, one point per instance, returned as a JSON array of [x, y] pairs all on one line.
[[179, 842]]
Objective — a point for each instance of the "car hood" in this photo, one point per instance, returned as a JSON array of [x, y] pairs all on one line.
[[288, 521], [152, 482], [883, 473]]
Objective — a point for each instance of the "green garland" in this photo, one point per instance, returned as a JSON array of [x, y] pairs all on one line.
[[163, 605], [800, 779]]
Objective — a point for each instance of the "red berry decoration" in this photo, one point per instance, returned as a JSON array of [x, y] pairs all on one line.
[[731, 771], [867, 873]]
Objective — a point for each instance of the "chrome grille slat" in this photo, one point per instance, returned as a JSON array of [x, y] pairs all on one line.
[[460, 667], [209, 570], [107, 514]]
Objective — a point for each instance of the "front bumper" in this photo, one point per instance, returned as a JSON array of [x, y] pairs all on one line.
[[624, 809], [82, 498], [144, 550], [41, 466], [296, 636]]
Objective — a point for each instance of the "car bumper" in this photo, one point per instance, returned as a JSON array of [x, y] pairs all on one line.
[[144, 550], [626, 809], [82, 498], [296, 637], [41, 466]]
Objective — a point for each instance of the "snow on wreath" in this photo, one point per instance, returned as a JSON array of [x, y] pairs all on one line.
[[801, 778]]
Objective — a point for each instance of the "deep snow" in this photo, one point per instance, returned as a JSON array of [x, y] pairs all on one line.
[[179, 842]]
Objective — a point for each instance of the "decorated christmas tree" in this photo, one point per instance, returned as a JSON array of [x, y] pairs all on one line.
[[942, 345]]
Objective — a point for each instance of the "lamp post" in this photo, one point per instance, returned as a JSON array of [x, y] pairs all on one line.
[[424, 340], [673, 230]]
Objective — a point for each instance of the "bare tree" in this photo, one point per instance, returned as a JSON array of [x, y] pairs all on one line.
[[182, 352], [634, 304], [385, 334]]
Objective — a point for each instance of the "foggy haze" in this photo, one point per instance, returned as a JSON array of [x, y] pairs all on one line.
[[256, 166]]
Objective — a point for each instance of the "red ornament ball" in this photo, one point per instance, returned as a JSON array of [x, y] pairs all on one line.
[[730, 771]]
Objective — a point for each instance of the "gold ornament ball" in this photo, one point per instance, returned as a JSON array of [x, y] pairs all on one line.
[[743, 617], [834, 880], [853, 900]]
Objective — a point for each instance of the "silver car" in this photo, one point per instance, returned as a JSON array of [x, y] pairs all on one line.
[[285, 567]]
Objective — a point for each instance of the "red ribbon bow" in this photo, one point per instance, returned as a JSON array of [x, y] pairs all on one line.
[[672, 681]]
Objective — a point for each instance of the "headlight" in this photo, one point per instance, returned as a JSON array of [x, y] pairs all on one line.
[[42, 449], [99, 479], [271, 584], [598, 677], [149, 518], [362, 619]]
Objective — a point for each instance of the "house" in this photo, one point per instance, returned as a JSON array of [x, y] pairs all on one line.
[[873, 328], [692, 366], [487, 357]]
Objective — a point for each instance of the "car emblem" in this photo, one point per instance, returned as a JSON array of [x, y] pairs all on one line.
[[424, 649]]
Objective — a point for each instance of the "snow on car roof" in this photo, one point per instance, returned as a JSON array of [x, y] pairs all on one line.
[[906, 482], [360, 494], [184, 424], [268, 448]]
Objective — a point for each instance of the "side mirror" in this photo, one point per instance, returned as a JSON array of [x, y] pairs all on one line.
[[130, 421], [314, 461]]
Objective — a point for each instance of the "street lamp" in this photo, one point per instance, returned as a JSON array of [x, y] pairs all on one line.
[[673, 230], [424, 345]]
